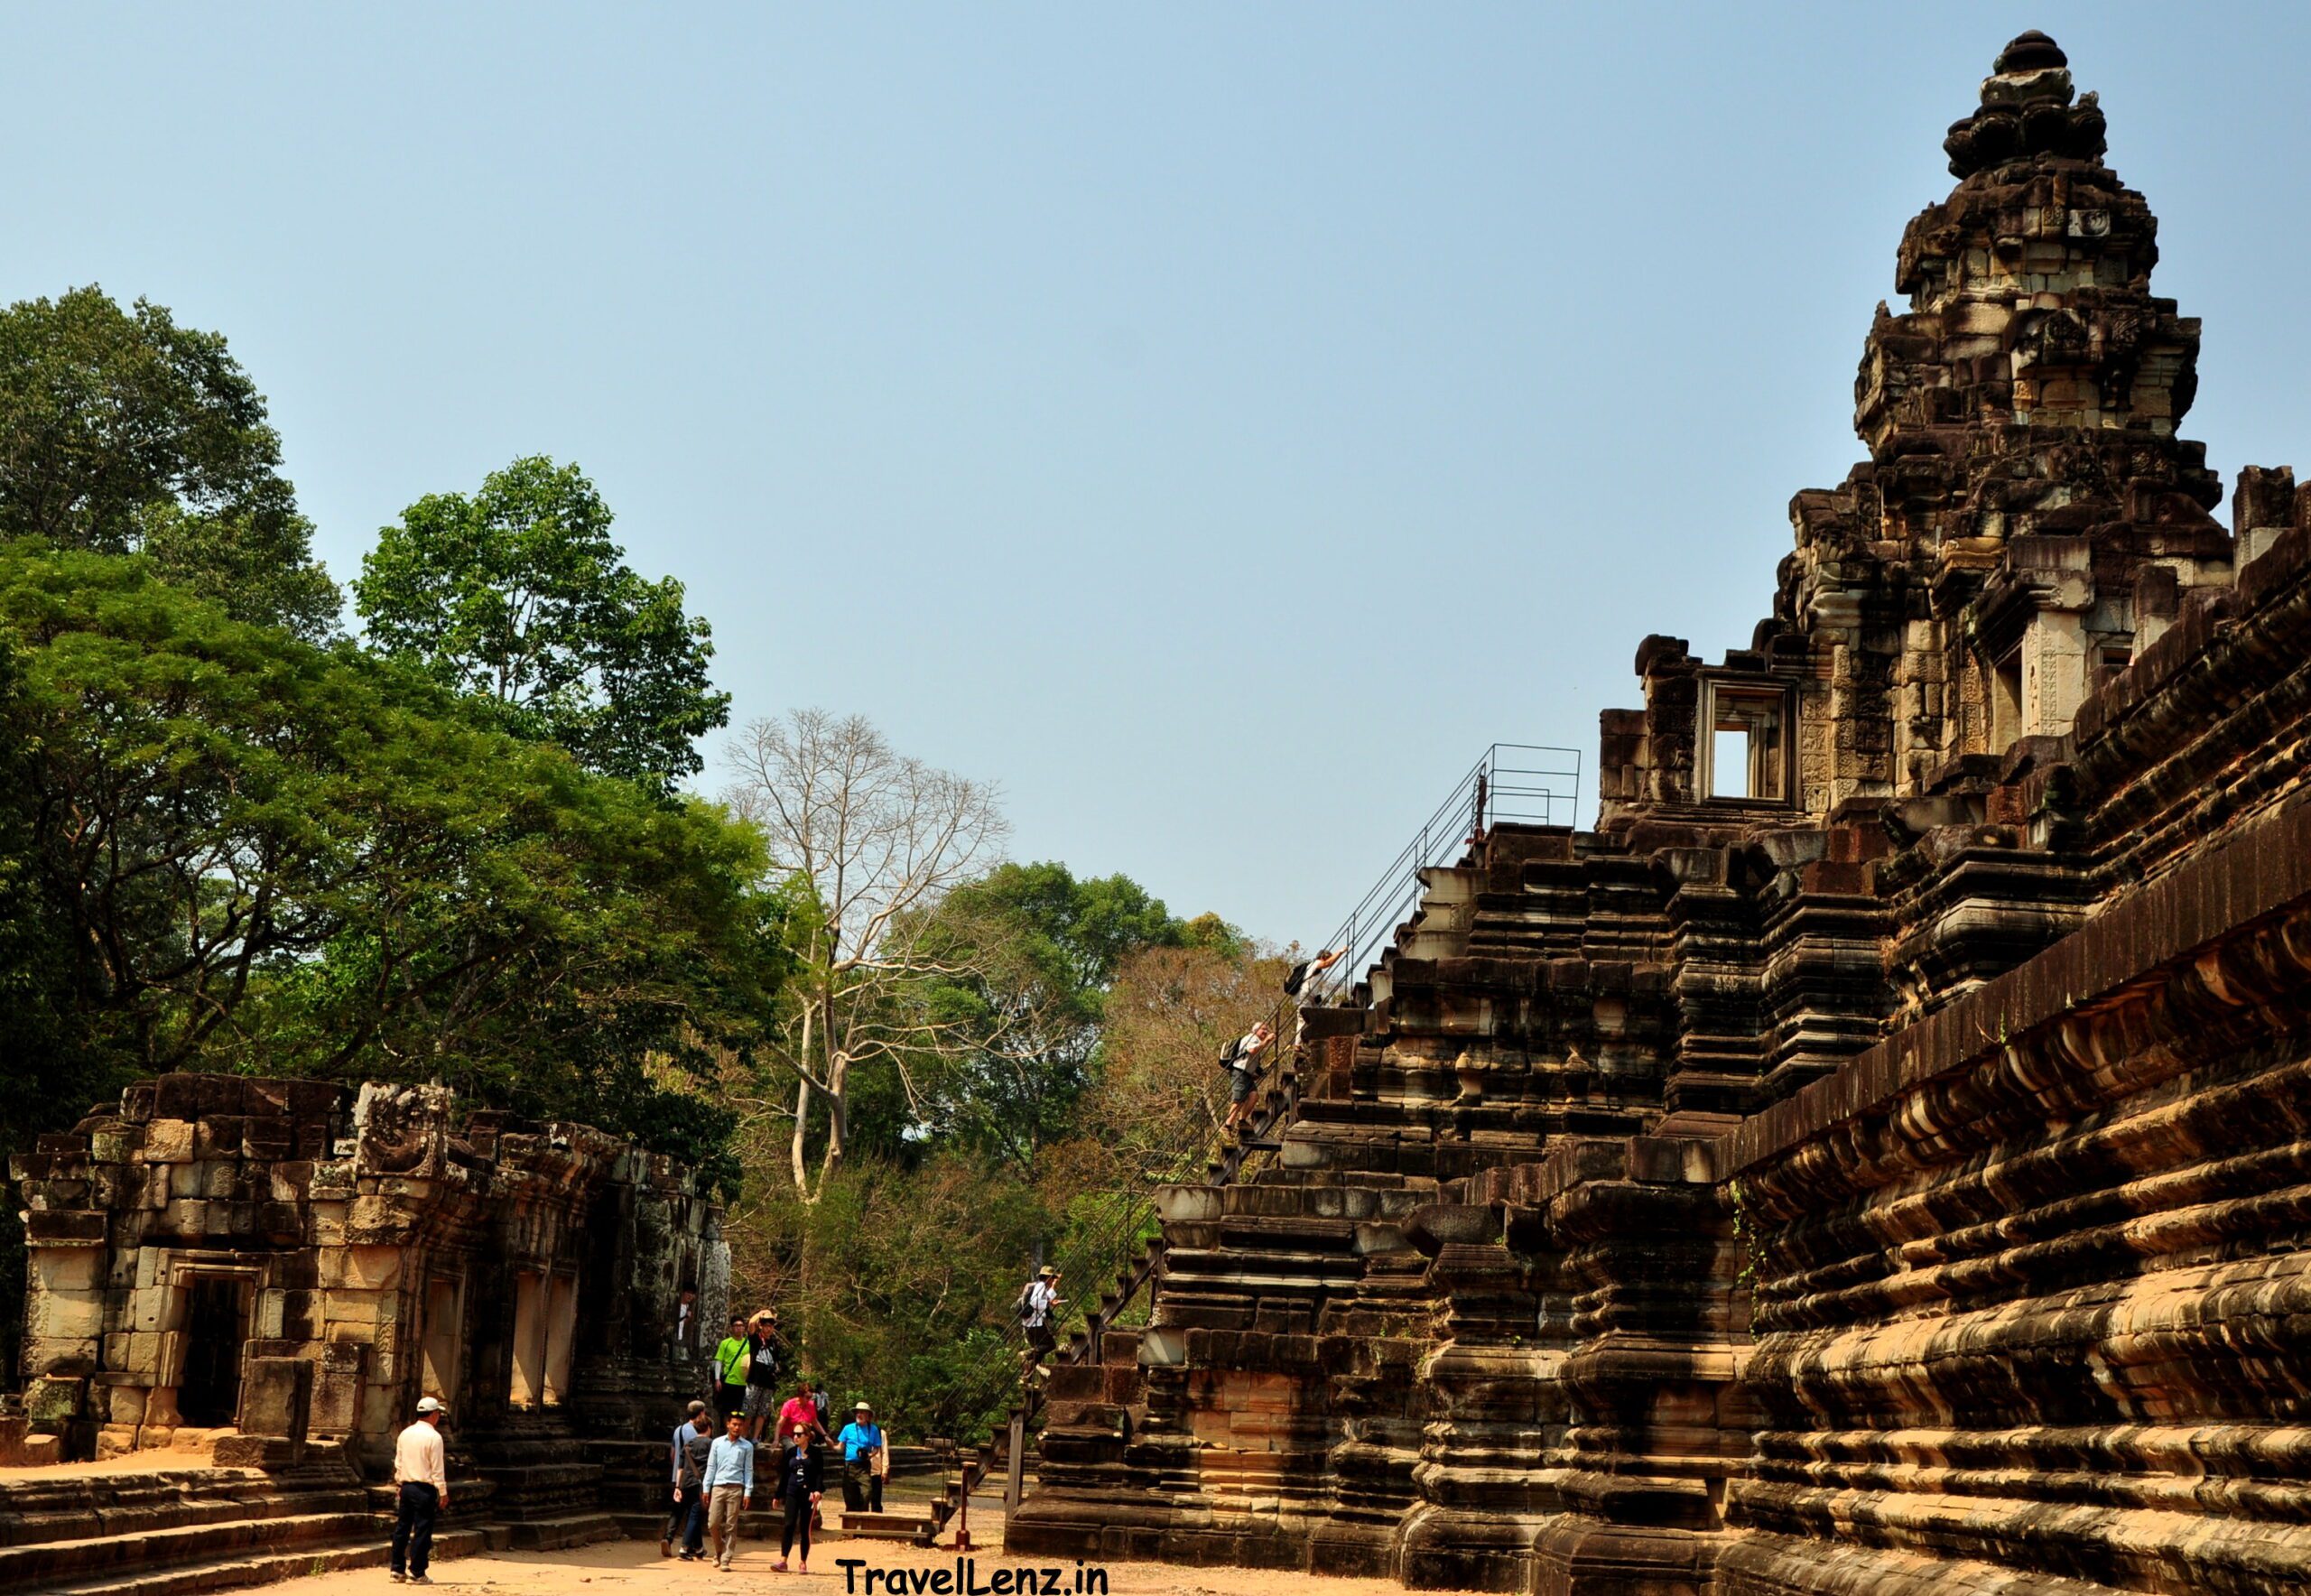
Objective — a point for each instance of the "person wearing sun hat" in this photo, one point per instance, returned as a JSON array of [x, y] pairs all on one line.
[[762, 1370], [862, 1460]]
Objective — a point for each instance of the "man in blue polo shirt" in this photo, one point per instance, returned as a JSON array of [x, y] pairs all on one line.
[[862, 1461]]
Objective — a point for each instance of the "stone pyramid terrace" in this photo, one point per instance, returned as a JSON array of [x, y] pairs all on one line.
[[1876, 1159]]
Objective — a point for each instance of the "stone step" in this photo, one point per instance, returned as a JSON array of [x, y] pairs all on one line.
[[142, 1512], [264, 1568], [560, 1534], [40, 1566]]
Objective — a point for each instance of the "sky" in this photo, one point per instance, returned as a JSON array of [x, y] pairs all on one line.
[[1214, 424]]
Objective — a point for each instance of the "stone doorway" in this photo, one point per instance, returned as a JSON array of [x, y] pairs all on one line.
[[216, 1325]]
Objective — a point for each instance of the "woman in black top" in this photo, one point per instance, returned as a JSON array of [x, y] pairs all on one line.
[[802, 1480]]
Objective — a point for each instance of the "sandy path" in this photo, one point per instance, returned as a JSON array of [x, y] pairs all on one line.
[[633, 1568]]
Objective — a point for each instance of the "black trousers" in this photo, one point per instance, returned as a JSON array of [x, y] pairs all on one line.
[[688, 1520], [727, 1399], [862, 1489], [413, 1526], [798, 1523]]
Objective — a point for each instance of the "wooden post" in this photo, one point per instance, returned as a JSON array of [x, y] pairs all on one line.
[[1015, 1477]]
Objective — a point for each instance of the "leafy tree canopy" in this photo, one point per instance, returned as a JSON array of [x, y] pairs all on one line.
[[266, 855], [518, 595], [121, 431], [1036, 949]]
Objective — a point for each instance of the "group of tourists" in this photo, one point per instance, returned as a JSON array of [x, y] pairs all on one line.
[[713, 1476], [713, 1458]]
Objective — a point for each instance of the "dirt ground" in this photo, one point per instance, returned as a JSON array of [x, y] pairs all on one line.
[[633, 1568]]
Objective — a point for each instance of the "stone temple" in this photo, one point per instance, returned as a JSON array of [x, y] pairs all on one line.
[[1876, 1159]]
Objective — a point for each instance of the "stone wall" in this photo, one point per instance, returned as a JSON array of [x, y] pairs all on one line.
[[1878, 1167]]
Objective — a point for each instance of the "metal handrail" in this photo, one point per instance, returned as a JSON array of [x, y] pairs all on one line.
[[1529, 783]]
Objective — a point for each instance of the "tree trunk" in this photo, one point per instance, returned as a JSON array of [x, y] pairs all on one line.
[[801, 1169]]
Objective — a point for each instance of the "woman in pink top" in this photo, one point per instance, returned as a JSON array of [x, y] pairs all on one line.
[[799, 1411]]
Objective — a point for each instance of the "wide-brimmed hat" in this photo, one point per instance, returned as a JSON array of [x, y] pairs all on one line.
[[862, 1405], [1046, 1271]]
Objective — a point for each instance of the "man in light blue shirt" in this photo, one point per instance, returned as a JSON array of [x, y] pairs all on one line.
[[730, 1487], [862, 1461]]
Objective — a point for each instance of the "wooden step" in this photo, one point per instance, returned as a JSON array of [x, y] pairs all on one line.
[[890, 1526]]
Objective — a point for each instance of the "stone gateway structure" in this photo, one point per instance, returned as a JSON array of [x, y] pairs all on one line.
[[1876, 1159], [296, 1263]]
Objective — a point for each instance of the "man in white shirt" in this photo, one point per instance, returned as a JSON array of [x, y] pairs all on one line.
[[1040, 1299], [422, 1471], [1241, 1060]]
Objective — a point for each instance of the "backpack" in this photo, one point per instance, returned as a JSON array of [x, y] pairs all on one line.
[[1023, 1309], [1298, 978], [694, 1456]]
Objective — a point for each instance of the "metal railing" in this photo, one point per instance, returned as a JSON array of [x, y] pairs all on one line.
[[1512, 782], [1528, 783]]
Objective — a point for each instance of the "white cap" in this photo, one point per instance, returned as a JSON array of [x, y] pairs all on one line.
[[426, 1405]]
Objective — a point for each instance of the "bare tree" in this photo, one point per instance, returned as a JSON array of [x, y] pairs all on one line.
[[876, 837]]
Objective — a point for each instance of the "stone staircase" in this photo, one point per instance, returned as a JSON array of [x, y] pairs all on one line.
[[171, 1531], [546, 1490]]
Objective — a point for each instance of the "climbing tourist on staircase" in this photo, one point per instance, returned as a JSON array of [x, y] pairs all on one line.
[[1298, 987], [862, 1458], [1308, 969], [693, 1440], [800, 1482], [1037, 1305], [1241, 1060], [728, 1488], [421, 1473]]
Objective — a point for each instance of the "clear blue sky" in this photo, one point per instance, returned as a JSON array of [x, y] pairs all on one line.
[[1214, 423]]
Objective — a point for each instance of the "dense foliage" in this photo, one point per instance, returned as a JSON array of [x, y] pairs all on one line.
[[121, 431], [251, 852], [458, 850], [518, 597]]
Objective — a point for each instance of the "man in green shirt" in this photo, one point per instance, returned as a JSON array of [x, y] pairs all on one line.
[[730, 1370]]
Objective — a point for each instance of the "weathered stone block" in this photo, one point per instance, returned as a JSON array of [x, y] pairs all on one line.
[[169, 1141], [48, 1401]]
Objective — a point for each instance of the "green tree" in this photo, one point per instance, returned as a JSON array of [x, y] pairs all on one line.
[[1036, 950], [264, 855], [121, 431], [517, 595]]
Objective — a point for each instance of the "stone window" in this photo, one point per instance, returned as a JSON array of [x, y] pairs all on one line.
[[2006, 701], [561, 1335], [546, 1325], [1744, 752], [444, 1322]]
